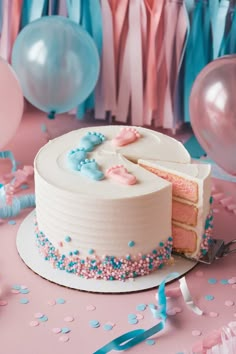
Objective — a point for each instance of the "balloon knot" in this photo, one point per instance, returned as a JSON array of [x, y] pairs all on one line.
[[51, 115]]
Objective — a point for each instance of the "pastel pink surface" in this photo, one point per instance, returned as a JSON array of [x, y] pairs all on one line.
[[11, 104], [17, 336]]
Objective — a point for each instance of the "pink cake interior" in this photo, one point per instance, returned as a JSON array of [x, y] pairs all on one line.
[[183, 240], [181, 187], [184, 213]]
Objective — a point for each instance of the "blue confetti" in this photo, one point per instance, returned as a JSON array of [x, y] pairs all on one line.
[[12, 222], [60, 300], [43, 319], [43, 128], [150, 341], [132, 316], [24, 186], [141, 307], [224, 281], [131, 243], [133, 320], [94, 323], [65, 330], [24, 291], [107, 327], [67, 238], [152, 306], [212, 281], [16, 287], [209, 297], [24, 300]]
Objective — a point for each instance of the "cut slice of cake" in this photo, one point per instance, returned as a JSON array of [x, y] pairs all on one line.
[[191, 199]]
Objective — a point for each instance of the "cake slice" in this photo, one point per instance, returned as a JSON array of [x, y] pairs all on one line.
[[191, 199]]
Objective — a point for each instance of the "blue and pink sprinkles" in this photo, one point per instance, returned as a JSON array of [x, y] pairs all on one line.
[[107, 267]]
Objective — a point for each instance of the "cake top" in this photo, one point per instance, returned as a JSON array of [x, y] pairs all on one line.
[[108, 157]]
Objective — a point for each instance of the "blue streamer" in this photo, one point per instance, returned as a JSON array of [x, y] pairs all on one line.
[[18, 204], [132, 338], [9, 155], [32, 10]]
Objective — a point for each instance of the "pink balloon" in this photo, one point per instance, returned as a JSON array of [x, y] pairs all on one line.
[[11, 103], [213, 111]]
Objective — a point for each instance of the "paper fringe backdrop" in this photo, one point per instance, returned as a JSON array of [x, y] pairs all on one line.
[[151, 51]]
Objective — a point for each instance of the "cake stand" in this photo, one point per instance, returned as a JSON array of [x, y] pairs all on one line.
[[28, 251]]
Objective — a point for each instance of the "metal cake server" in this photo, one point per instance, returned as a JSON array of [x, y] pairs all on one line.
[[217, 249]]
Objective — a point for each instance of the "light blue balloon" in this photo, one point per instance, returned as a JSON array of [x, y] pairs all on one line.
[[57, 63]]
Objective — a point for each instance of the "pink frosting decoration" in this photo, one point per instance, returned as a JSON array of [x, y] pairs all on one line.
[[126, 136], [120, 174]]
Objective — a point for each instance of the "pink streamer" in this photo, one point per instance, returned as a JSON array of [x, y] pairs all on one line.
[[5, 34]]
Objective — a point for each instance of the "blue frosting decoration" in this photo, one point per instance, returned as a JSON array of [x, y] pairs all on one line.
[[132, 338], [89, 168], [76, 156], [90, 140]]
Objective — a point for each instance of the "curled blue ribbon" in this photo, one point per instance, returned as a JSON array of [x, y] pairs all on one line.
[[132, 338], [23, 202]]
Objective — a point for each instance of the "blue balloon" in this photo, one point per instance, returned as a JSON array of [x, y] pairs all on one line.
[[57, 63]]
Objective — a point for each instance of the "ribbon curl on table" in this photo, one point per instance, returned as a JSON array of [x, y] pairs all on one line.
[[132, 338]]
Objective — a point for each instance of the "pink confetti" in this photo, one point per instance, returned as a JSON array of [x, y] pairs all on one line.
[[234, 286], [38, 315], [139, 316], [196, 333], [34, 323], [171, 312], [213, 314], [216, 211], [173, 292], [64, 339], [56, 330], [3, 302], [199, 273], [231, 207], [24, 287], [232, 280], [229, 303], [51, 302], [178, 309], [109, 323], [212, 339], [69, 319], [217, 196], [226, 201], [90, 308], [14, 291]]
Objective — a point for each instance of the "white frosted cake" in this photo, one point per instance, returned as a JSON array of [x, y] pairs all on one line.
[[102, 213]]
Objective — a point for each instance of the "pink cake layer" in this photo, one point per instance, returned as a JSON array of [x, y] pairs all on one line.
[[183, 240], [184, 213], [181, 187]]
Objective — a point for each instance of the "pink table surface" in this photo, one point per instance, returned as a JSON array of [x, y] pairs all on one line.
[[18, 337]]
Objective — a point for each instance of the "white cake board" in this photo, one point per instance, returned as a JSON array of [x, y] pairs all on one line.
[[28, 251]]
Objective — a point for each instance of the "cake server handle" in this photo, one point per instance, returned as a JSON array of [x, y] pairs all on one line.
[[228, 248]]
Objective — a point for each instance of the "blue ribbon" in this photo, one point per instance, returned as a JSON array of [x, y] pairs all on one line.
[[9, 155], [132, 338], [18, 204], [32, 10]]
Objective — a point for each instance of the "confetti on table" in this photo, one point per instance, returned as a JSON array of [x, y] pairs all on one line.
[[229, 303], [132, 316], [224, 281], [12, 222], [171, 312], [69, 319], [43, 319], [56, 330], [38, 315], [34, 323], [3, 302], [65, 330], [178, 309], [24, 291], [107, 327], [51, 302], [60, 301], [140, 316], [234, 286], [14, 291], [196, 333], [94, 323], [212, 281], [90, 308], [150, 341], [133, 321], [64, 339], [209, 297], [152, 306], [232, 280], [141, 307], [213, 314], [16, 287], [24, 300]]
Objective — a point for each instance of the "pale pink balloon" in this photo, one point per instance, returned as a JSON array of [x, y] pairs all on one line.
[[11, 103], [213, 111]]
